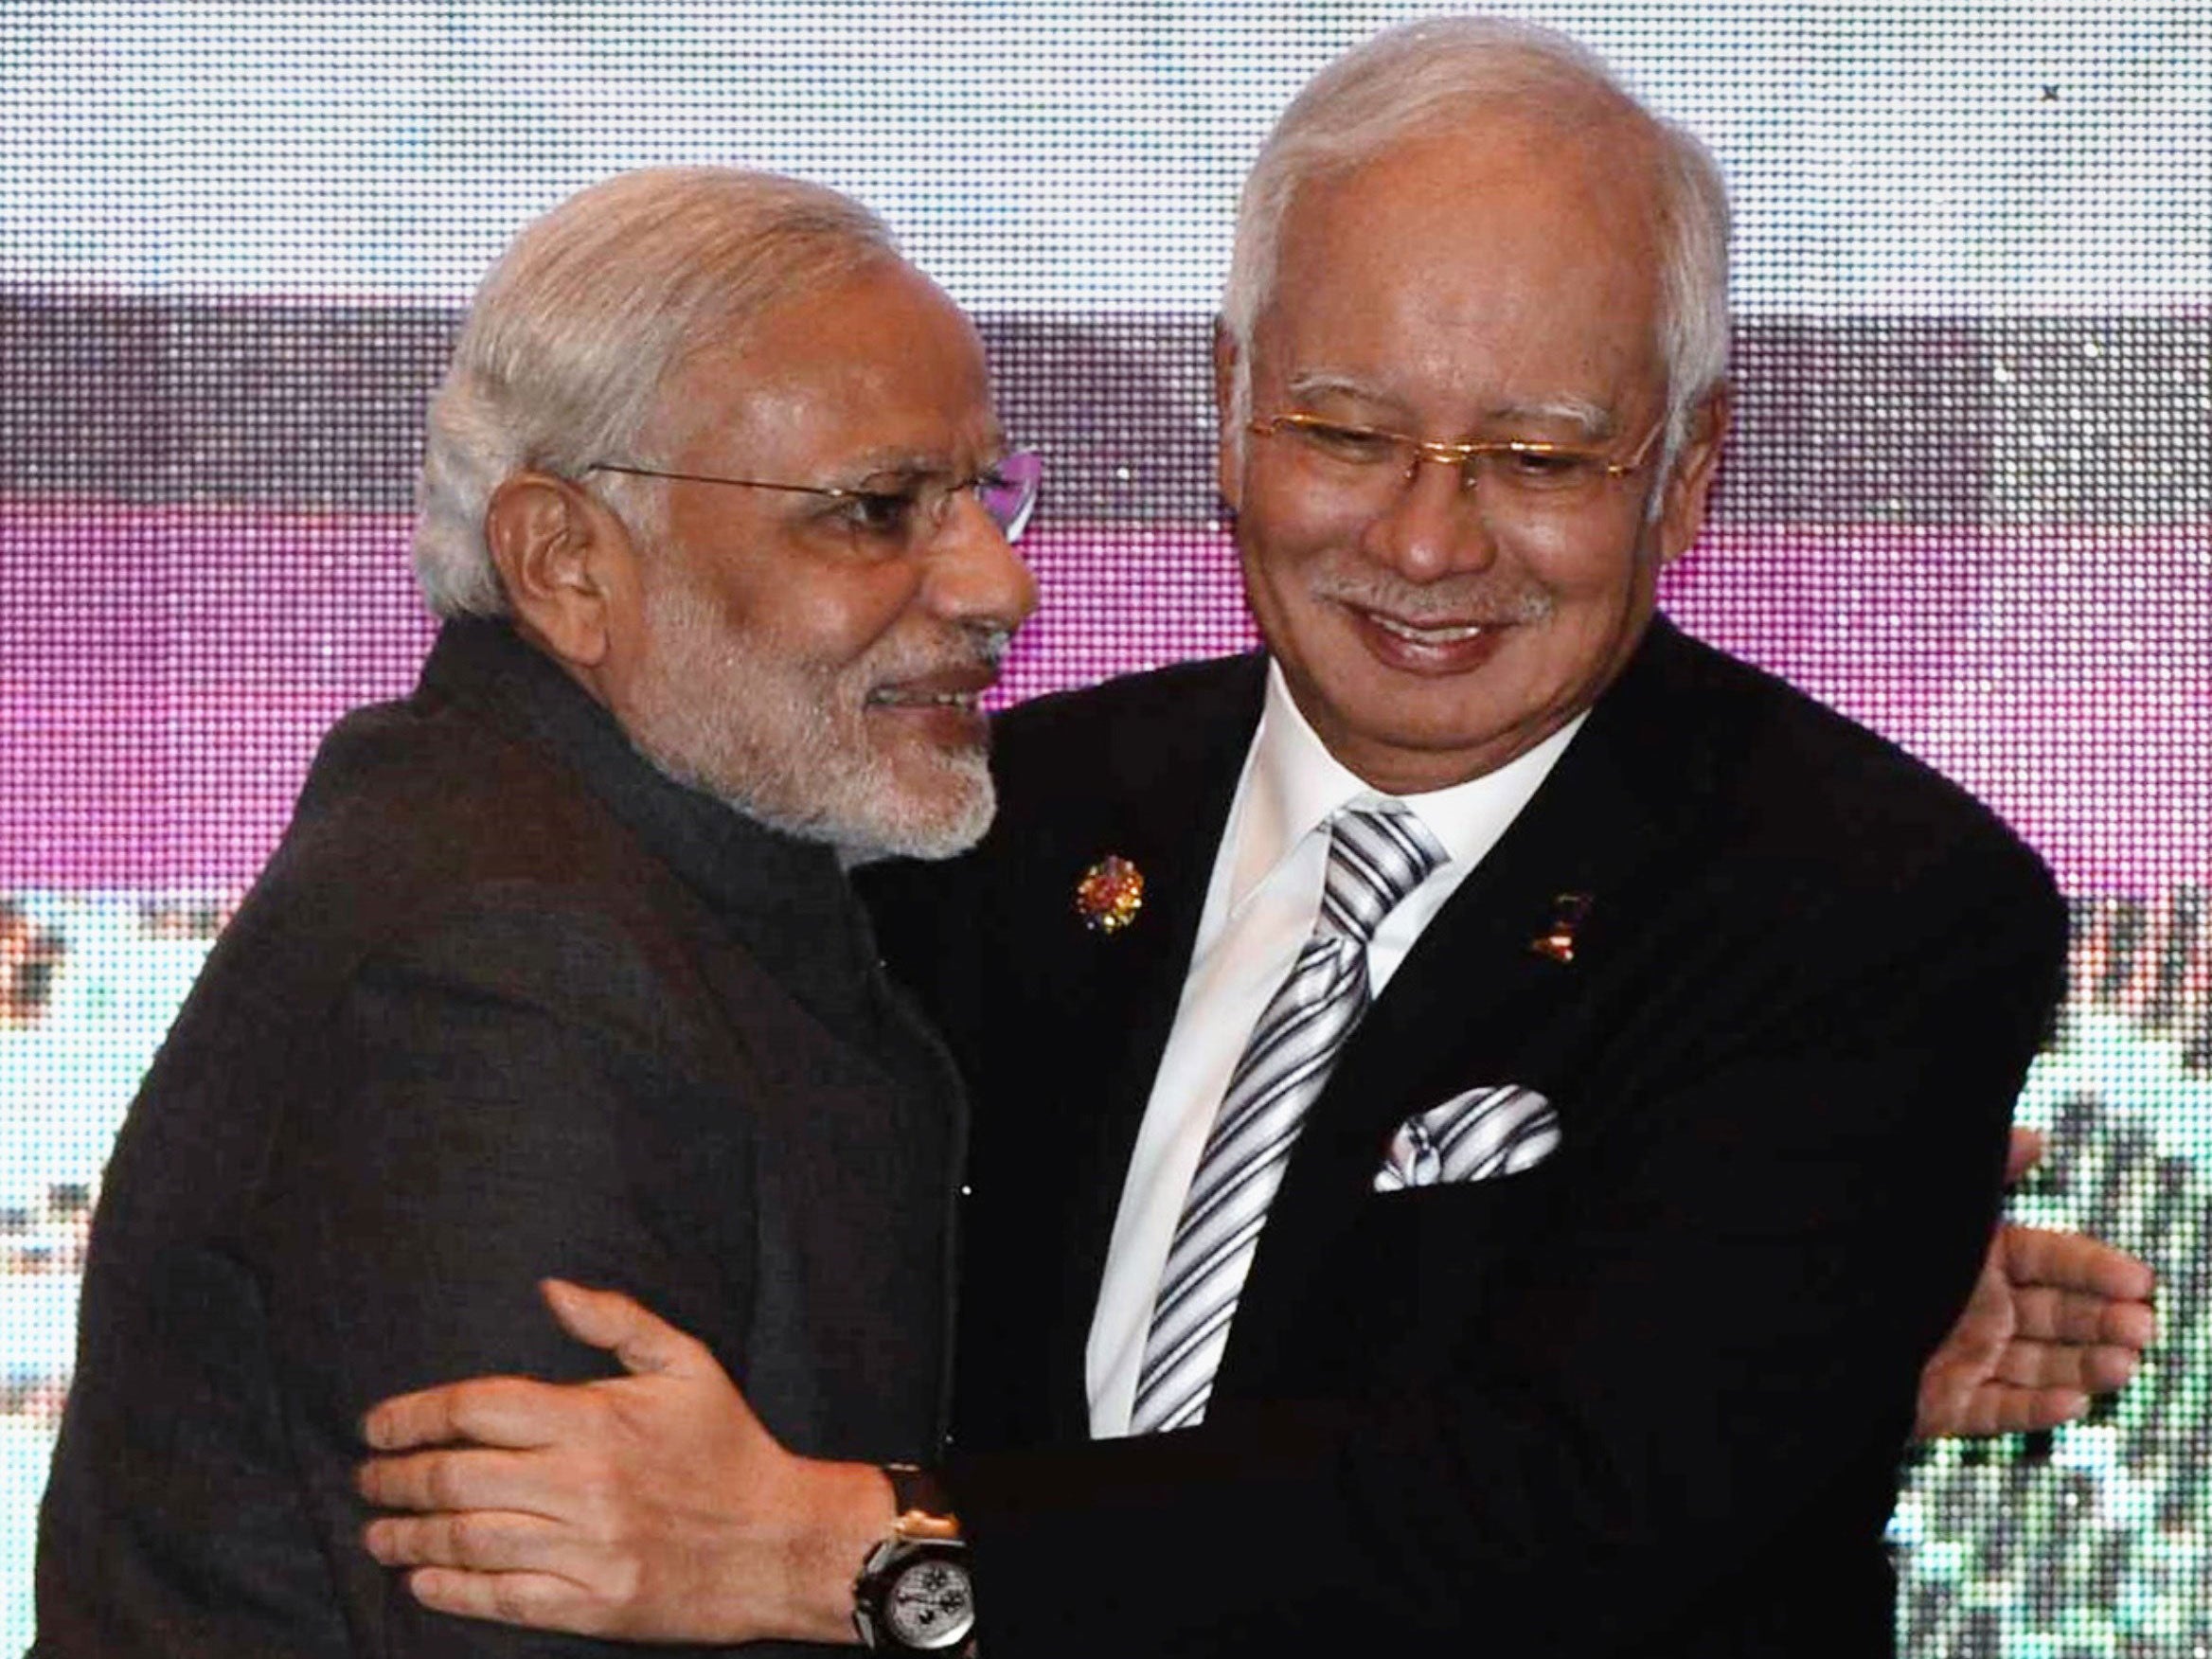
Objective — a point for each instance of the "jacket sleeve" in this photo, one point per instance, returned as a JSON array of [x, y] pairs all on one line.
[[496, 1093]]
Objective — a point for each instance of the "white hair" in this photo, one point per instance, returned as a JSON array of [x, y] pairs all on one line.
[[572, 333], [1429, 76]]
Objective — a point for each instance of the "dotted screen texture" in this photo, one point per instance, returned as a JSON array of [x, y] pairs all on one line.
[[1968, 499]]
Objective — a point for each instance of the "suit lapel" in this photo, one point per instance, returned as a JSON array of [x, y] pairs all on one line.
[[1148, 966], [1168, 824], [1501, 963]]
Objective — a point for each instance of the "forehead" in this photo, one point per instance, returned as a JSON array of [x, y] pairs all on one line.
[[879, 362], [1501, 266]]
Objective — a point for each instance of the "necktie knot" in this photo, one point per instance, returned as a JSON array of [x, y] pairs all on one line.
[[1377, 855]]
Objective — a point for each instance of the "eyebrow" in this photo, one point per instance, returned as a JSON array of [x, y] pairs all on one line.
[[1324, 385], [905, 464], [1594, 421]]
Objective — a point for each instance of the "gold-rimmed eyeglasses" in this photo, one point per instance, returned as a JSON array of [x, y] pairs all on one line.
[[1527, 471], [904, 511]]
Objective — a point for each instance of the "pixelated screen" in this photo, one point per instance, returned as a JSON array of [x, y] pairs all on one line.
[[1969, 501]]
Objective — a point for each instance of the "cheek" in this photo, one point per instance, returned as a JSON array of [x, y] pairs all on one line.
[[1601, 610], [1280, 547], [1276, 591], [1594, 569], [830, 619]]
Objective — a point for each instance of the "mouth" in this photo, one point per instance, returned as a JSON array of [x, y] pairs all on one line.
[[1445, 646], [943, 707], [1432, 633], [960, 688], [909, 697]]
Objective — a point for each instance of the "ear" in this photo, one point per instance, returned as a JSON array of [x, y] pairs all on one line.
[[1682, 514], [1228, 440], [567, 562]]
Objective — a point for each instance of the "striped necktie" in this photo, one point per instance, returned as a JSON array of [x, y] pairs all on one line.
[[1377, 855]]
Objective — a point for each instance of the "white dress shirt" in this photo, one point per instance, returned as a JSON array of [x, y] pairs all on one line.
[[1260, 906]]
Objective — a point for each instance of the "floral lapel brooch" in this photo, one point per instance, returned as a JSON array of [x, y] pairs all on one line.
[[1110, 893]]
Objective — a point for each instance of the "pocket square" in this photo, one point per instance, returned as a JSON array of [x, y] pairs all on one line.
[[1498, 1130]]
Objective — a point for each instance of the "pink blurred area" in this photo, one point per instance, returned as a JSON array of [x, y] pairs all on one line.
[[167, 671]]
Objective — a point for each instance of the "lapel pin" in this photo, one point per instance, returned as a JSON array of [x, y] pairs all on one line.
[[1556, 942], [1110, 893]]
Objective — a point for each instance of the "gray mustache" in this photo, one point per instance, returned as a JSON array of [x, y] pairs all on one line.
[[976, 646], [1472, 600]]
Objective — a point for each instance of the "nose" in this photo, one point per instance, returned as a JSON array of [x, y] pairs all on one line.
[[973, 573], [1433, 525]]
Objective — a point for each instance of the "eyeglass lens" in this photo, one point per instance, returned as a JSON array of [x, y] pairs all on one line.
[[1008, 491]]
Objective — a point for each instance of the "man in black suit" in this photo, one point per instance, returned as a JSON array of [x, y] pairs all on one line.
[[1610, 1050], [558, 967]]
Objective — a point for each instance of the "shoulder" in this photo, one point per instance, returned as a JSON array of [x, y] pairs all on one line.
[[411, 807], [570, 957], [437, 859], [1761, 856], [437, 783], [1802, 897], [1124, 740], [1774, 776], [1155, 693]]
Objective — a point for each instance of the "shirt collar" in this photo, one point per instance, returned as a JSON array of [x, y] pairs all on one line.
[[1294, 784]]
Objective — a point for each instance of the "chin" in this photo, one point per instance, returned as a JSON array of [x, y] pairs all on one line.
[[893, 814]]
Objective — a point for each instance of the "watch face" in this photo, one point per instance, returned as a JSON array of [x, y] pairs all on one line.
[[930, 1604]]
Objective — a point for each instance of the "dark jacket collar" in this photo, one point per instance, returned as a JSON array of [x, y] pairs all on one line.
[[1613, 803], [787, 899]]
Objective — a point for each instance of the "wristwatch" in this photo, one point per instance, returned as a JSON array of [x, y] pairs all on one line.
[[914, 1593]]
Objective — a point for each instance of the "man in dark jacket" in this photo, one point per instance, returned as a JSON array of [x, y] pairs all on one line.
[[558, 969]]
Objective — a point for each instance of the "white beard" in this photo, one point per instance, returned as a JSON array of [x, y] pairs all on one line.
[[787, 742]]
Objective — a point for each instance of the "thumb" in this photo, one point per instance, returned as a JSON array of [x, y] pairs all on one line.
[[2022, 1152], [645, 1343]]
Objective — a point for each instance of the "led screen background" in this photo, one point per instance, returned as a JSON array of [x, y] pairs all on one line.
[[1970, 501]]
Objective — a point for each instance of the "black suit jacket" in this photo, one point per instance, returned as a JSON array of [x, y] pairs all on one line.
[[1649, 1396], [505, 1003]]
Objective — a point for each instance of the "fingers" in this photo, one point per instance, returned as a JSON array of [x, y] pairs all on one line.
[[2096, 1369], [1942, 1408], [2128, 1325], [461, 1479], [2034, 1256], [1998, 1410], [2107, 1368], [487, 1540], [2044, 1315], [608, 1319], [516, 1412], [1986, 1323], [493, 1411], [541, 1600]]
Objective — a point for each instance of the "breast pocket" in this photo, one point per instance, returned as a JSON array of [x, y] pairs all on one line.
[[1438, 1260]]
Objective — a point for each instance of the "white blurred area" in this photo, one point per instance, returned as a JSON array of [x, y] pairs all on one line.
[[70, 1064], [1958, 156], [88, 987]]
